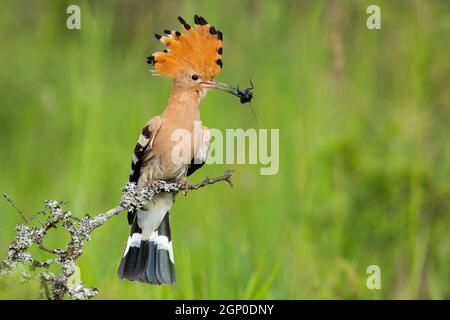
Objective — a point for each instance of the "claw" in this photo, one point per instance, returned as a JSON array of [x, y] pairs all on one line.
[[153, 184]]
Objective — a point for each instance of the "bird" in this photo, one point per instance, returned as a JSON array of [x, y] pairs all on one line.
[[191, 60]]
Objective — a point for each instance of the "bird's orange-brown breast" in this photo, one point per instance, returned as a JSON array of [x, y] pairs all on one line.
[[179, 117]]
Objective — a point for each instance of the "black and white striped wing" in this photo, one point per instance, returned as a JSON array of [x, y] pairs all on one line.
[[143, 146]]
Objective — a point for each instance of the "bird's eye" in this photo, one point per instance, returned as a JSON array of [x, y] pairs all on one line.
[[195, 77]]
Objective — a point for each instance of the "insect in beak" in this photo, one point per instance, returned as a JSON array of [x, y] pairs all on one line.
[[245, 95]]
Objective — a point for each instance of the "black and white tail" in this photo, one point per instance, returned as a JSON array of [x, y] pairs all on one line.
[[149, 259]]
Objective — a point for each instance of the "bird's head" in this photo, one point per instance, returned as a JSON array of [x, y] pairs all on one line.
[[191, 59]]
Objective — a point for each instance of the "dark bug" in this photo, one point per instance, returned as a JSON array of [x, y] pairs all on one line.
[[246, 95]]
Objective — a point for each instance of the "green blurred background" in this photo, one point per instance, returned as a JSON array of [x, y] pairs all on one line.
[[364, 119]]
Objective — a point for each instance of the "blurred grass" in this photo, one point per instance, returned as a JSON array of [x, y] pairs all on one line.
[[364, 143]]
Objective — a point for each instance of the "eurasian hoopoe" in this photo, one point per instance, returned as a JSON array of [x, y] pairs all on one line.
[[191, 60]]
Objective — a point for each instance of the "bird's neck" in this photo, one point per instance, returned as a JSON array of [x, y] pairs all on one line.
[[183, 105]]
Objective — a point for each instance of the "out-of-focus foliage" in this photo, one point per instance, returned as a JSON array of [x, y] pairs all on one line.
[[364, 143], [21, 283]]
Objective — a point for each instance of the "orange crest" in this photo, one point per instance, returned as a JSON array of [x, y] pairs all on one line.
[[199, 50]]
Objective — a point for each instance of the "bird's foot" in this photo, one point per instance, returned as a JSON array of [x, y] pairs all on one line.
[[184, 186], [153, 184]]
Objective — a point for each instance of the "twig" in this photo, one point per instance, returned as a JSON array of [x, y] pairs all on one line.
[[36, 214], [225, 177], [8, 198], [44, 287], [44, 248]]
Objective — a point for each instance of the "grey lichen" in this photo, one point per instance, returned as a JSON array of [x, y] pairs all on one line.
[[80, 292], [55, 285]]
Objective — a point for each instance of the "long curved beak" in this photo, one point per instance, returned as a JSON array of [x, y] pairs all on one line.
[[220, 86]]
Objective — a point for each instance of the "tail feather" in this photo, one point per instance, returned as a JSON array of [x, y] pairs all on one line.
[[149, 274], [134, 257], [165, 269], [134, 262], [149, 260]]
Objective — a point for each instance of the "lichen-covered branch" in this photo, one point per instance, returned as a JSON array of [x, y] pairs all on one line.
[[65, 282]]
